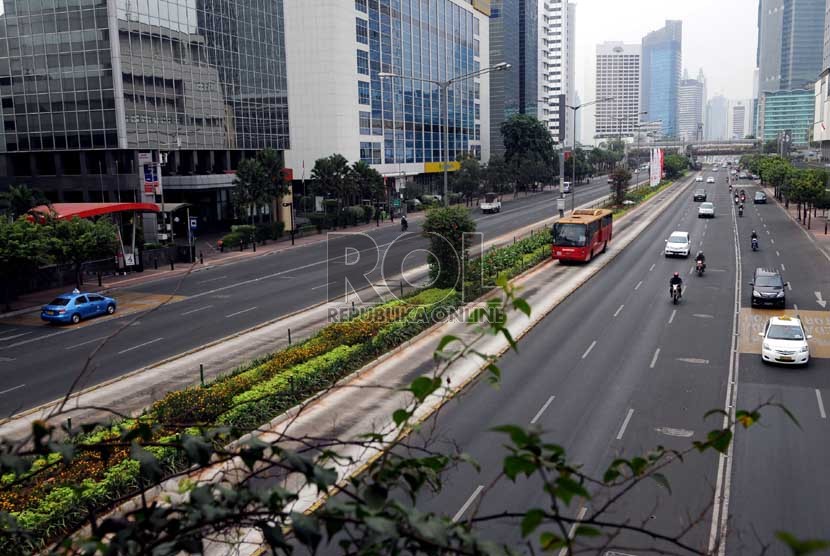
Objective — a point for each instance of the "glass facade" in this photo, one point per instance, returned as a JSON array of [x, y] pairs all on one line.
[[156, 74], [662, 61], [788, 111], [428, 39], [802, 42]]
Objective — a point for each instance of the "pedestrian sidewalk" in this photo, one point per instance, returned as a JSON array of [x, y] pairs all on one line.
[[819, 225], [207, 256]]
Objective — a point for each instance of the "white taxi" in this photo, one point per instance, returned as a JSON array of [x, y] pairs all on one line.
[[785, 342]]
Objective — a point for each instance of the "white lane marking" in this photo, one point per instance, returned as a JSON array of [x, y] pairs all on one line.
[[772, 241], [777, 253], [87, 342], [703, 234], [5, 338], [789, 287], [212, 280], [654, 359], [587, 351], [460, 513], [619, 310], [702, 316], [652, 267], [625, 424], [820, 404], [322, 286], [767, 231], [820, 301], [671, 318], [680, 433], [140, 346], [784, 268], [692, 270], [572, 531], [795, 307], [701, 243], [693, 360], [196, 310], [12, 389], [544, 407], [637, 287], [240, 312]]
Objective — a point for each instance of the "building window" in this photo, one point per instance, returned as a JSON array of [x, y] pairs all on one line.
[[362, 27], [362, 62], [476, 47], [478, 132], [478, 112], [370, 153], [361, 6], [365, 123], [363, 93]]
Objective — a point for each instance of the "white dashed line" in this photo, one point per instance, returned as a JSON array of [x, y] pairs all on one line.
[[22, 385], [820, 404], [654, 359], [587, 351], [795, 307], [211, 280], [140, 346], [240, 312], [671, 318], [197, 310], [467, 504], [789, 287], [784, 268], [625, 424], [544, 407], [5, 338], [772, 241], [777, 253], [637, 287], [652, 267], [619, 311], [321, 286], [87, 342]]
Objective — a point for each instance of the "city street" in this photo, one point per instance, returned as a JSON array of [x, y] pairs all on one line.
[[617, 369], [41, 361]]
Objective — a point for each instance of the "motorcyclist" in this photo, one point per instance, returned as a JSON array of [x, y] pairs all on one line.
[[701, 258], [404, 223], [676, 280], [754, 235], [741, 209]]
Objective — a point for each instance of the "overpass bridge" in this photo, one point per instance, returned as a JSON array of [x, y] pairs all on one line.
[[701, 148]]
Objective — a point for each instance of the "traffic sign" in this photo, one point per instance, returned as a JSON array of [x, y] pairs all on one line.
[[194, 223], [396, 203]]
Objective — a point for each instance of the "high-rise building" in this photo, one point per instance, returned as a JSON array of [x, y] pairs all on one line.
[[88, 86], [717, 116], [571, 73], [557, 19], [662, 61], [514, 39], [787, 111], [738, 120], [617, 78], [691, 98], [340, 103]]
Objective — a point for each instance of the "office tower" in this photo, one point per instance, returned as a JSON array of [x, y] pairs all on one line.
[[617, 78], [662, 60]]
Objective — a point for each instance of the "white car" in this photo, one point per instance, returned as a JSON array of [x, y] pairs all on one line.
[[566, 187], [785, 342], [710, 179], [491, 203], [678, 245], [699, 178], [706, 210]]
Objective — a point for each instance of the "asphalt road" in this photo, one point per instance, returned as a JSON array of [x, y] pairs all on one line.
[[38, 363], [617, 369]]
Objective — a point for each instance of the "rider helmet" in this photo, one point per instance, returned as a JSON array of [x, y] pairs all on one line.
[[676, 274]]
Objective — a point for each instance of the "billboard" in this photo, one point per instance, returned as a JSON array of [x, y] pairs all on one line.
[[656, 167]]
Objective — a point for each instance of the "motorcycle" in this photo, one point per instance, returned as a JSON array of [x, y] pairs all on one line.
[[755, 244], [743, 198], [675, 293], [730, 188], [740, 211], [737, 201], [700, 267], [404, 225]]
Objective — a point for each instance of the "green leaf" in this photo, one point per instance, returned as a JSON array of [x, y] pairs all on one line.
[[149, 467], [532, 519], [518, 435], [715, 412], [385, 527], [586, 531], [661, 480], [468, 459], [550, 541], [198, 451], [273, 535], [516, 465], [375, 496], [720, 440], [801, 547], [445, 341], [522, 306], [400, 416], [306, 529], [423, 386], [567, 488]]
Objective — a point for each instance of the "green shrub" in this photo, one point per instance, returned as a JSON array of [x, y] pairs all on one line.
[[277, 230], [246, 230], [320, 221], [233, 239], [354, 215], [263, 232]]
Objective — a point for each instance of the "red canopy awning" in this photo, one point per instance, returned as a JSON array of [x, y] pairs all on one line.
[[65, 211]]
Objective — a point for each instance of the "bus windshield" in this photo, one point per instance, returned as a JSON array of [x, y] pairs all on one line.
[[569, 235]]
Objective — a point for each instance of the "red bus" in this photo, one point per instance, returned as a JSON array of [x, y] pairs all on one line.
[[583, 234]]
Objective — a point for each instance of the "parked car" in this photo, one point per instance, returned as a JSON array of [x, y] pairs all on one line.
[[760, 198], [699, 195], [76, 306], [768, 288]]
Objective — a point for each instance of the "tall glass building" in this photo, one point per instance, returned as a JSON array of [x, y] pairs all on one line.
[[340, 104], [514, 39], [87, 85], [787, 111], [662, 61]]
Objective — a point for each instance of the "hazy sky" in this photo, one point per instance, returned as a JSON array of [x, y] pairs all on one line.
[[719, 36]]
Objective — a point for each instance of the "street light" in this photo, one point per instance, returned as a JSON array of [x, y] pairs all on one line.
[[573, 146], [444, 86]]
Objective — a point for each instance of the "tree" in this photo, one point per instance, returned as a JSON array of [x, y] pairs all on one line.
[[674, 165], [79, 240], [272, 166], [497, 175], [19, 200], [529, 150], [774, 170], [368, 181], [251, 186], [24, 246], [445, 228], [619, 183], [467, 180], [332, 177], [583, 167], [771, 146]]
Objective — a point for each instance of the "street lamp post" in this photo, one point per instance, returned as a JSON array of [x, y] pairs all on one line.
[[573, 146], [444, 87]]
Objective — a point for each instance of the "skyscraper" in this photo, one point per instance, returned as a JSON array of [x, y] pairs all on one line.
[[662, 60], [738, 117], [556, 73], [617, 78], [717, 116], [514, 39], [691, 108]]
